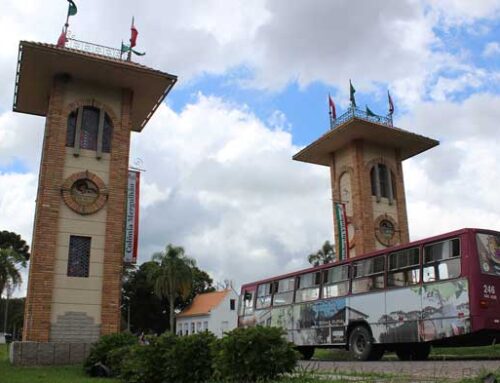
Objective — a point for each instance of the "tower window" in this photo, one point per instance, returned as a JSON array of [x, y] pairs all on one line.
[[79, 256], [382, 182], [89, 128]]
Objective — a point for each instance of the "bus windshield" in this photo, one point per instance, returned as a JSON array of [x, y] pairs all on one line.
[[488, 247]]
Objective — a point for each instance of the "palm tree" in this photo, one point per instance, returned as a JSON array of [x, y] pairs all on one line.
[[323, 256], [10, 277], [173, 277]]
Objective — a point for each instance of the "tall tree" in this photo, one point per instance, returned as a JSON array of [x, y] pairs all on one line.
[[173, 278], [149, 313], [323, 256], [14, 253], [13, 241]]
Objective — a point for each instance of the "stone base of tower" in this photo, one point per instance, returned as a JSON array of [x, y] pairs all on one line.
[[48, 353]]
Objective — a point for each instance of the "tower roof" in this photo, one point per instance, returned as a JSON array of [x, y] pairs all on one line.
[[38, 63], [359, 128]]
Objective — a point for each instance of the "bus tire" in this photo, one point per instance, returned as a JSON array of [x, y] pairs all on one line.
[[361, 343], [421, 351], [404, 353], [306, 352]]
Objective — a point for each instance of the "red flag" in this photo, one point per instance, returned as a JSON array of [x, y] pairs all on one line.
[[133, 35], [391, 104], [333, 111], [61, 41]]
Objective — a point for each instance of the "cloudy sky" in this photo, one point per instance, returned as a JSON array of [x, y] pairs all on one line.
[[253, 83]]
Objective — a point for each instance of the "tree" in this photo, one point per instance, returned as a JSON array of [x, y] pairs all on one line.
[[173, 278], [14, 253], [13, 241], [149, 313], [202, 283], [323, 256]]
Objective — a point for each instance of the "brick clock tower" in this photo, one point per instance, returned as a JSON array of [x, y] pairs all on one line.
[[365, 153], [92, 101]]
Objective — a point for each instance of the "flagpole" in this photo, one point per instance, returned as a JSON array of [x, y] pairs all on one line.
[[129, 55]]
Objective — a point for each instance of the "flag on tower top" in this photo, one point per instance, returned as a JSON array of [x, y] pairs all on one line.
[[352, 91], [369, 112], [332, 111], [72, 8], [331, 104], [133, 34], [391, 104]]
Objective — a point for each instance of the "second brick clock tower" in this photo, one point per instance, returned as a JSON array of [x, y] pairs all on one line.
[[365, 154], [92, 101]]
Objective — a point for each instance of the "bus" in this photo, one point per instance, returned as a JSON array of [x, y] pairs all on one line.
[[441, 291]]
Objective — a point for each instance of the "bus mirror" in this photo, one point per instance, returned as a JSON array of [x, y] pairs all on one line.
[[247, 296]]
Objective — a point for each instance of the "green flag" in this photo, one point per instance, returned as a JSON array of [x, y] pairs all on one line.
[[353, 100], [126, 48], [369, 112], [71, 8]]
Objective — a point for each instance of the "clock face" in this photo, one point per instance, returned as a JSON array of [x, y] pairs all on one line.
[[385, 230], [84, 193]]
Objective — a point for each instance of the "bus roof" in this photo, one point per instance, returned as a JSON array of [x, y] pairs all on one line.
[[368, 255]]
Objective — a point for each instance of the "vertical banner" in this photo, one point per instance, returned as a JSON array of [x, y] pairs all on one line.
[[343, 236], [132, 217]]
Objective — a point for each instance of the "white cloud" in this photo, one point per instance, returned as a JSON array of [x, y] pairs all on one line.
[[459, 12], [235, 197], [456, 184], [491, 49]]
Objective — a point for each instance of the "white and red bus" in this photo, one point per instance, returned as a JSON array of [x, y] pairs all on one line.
[[441, 291]]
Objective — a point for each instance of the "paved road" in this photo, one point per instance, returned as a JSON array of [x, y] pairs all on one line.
[[428, 369]]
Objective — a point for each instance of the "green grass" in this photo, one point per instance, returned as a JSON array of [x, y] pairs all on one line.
[[59, 374], [442, 353]]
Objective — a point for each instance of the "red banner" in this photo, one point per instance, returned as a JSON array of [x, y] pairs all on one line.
[[132, 217]]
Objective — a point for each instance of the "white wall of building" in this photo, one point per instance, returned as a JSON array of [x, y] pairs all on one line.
[[220, 319]]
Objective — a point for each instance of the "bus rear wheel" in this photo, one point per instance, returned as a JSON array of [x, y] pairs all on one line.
[[306, 352], [361, 345], [418, 351]]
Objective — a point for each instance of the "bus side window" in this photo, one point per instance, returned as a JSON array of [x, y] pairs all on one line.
[[404, 268], [308, 287], [368, 275], [247, 303], [264, 296], [336, 281], [284, 291], [442, 260]]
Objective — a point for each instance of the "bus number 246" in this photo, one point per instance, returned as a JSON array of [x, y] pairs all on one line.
[[489, 291]]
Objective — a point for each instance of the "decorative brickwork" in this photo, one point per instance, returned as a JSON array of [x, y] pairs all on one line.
[[113, 252], [366, 227], [42, 262], [81, 208]]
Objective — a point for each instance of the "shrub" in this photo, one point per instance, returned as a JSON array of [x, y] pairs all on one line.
[[101, 349], [115, 359], [192, 358], [153, 363], [254, 354]]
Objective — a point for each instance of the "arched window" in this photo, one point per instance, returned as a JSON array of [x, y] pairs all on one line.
[[89, 128], [382, 182]]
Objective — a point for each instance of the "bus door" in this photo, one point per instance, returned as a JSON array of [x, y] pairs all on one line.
[[486, 302]]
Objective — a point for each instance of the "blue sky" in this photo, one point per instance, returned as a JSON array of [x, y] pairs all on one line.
[[254, 78]]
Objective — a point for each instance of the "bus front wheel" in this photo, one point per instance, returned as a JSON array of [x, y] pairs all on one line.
[[306, 352], [361, 345], [418, 351]]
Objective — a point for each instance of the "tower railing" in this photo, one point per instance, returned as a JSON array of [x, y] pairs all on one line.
[[93, 48], [354, 112]]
